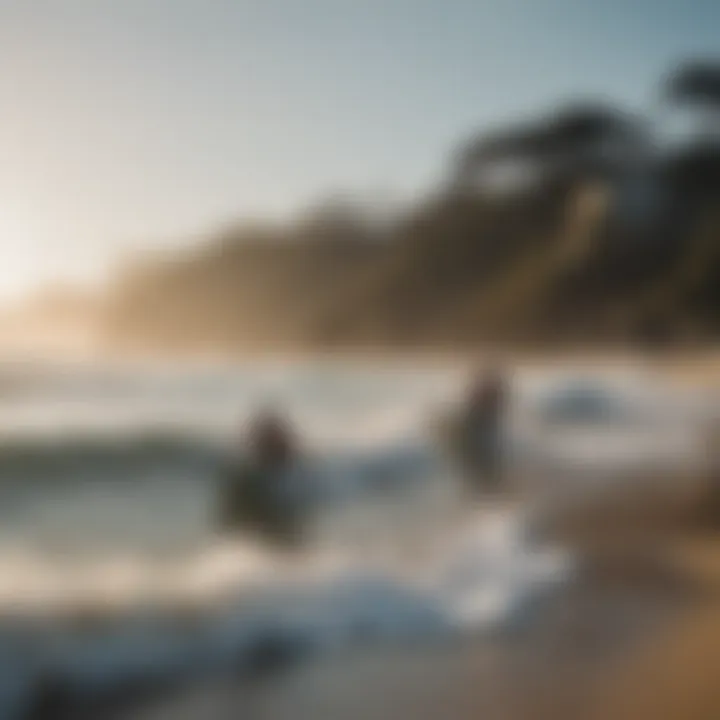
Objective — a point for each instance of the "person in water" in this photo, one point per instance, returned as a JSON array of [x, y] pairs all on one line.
[[259, 492], [481, 428]]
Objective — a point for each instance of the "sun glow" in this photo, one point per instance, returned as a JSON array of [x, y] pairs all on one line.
[[22, 265]]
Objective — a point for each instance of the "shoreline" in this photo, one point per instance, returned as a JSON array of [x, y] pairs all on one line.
[[700, 365], [562, 660]]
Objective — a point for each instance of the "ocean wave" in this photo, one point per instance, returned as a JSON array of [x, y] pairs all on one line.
[[49, 456], [264, 609]]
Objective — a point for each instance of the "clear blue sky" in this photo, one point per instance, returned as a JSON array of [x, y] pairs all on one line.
[[135, 123]]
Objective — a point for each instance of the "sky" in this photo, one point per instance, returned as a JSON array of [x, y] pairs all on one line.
[[130, 125]]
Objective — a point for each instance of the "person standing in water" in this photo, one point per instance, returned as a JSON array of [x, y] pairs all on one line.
[[259, 494], [481, 430]]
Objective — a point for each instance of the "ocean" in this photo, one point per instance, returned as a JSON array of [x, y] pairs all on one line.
[[113, 574]]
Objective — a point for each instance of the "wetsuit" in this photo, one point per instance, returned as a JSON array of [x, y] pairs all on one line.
[[479, 435], [255, 500]]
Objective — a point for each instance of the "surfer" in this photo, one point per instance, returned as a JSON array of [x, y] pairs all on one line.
[[479, 430], [260, 494]]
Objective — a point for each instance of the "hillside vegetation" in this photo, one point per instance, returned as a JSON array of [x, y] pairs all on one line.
[[601, 234]]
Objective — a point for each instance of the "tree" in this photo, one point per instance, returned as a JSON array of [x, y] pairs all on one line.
[[578, 140], [696, 83], [694, 171]]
